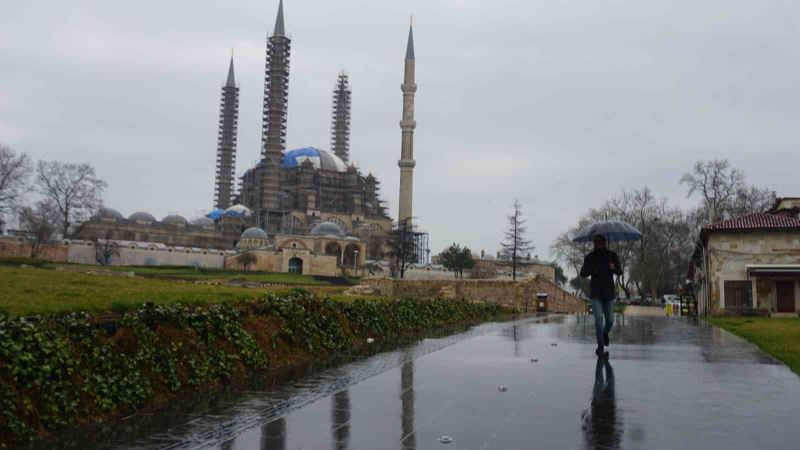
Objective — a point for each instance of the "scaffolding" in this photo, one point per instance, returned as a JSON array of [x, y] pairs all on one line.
[[340, 118], [226, 143]]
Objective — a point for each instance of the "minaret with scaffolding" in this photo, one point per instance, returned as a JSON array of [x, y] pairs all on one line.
[[276, 102], [340, 118], [226, 141]]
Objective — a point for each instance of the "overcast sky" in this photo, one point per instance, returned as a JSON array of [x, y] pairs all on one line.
[[561, 104]]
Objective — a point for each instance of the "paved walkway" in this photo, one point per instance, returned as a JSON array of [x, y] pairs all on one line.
[[670, 383], [644, 311]]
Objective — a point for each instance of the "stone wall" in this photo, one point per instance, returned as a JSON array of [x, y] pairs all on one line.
[[278, 261], [15, 247], [512, 294], [84, 253]]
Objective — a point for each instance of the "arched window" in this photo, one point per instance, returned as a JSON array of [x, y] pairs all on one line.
[[351, 255], [333, 249], [296, 265]]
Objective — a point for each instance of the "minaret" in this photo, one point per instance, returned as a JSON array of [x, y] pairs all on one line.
[[226, 141], [276, 102], [406, 162], [340, 118]]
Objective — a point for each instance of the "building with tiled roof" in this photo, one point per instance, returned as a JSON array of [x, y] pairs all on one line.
[[755, 222], [749, 265]]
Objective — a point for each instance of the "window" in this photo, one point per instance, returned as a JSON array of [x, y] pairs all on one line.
[[294, 244], [738, 294]]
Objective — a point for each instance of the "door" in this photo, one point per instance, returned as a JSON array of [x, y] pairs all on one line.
[[296, 265], [785, 294]]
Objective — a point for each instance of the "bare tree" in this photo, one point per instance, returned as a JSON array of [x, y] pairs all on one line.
[[14, 172], [656, 263], [751, 199], [514, 245], [246, 259], [717, 182], [104, 249], [38, 224], [402, 247], [724, 192], [74, 189]]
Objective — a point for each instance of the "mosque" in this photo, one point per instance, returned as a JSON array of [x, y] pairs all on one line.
[[295, 205]]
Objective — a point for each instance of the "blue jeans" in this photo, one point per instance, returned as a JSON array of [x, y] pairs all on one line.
[[602, 309]]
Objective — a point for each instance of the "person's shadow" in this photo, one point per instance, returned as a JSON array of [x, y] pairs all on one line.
[[602, 428]]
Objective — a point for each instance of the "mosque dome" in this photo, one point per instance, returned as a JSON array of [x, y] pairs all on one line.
[[321, 159], [327, 229], [252, 238], [141, 216], [237, 211], [108, 213], [203, 222], [254, 233], [174, 219]]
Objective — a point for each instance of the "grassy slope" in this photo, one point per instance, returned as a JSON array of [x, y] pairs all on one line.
[[38, 291], [778, 337], [190, 273]]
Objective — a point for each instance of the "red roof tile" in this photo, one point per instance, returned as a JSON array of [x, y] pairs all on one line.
[[756, 221]]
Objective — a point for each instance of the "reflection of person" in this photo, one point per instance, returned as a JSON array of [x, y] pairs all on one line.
[[601, 264], [601, 430]]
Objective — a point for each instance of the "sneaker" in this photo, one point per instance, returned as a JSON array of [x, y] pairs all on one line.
[[605, 339]]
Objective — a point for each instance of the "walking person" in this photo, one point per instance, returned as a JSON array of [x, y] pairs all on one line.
[[601, 264]]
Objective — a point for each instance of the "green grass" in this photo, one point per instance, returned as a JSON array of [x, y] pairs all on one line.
[[191, 273], [778, 337], [41, 291]]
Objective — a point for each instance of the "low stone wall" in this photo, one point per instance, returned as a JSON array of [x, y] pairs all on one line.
[[511, 294], [14, 247]]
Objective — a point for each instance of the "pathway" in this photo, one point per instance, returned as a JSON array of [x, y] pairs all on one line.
[[670, 383]]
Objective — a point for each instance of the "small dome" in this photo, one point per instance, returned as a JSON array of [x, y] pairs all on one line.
[[141, 216], [238, 211], [108, 213], [254, 233], [174, 219], [327, 229], [203, 222]]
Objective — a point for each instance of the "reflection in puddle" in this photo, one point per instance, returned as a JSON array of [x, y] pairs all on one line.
[[602, 428]]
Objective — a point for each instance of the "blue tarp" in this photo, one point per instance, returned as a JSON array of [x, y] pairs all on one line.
[[215, 214]]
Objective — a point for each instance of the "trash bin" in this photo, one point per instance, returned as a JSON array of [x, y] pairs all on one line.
[[541, 302]]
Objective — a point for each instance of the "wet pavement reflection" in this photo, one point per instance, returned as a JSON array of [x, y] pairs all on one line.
[[669, 383]]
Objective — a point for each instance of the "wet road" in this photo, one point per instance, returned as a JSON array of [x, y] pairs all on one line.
[[531, 384]]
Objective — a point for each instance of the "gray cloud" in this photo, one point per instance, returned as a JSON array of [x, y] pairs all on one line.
[[559, 103]]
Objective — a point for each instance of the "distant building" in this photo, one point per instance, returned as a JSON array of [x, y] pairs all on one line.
[[286, 192], [173, 229], [292, 191], [749, 264], [326, 250]]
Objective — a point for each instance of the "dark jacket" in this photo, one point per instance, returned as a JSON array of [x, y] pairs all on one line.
[[596, 265]]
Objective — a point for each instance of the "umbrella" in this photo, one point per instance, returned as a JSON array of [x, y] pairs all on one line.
[[613, 230]]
